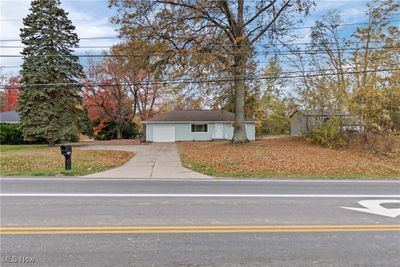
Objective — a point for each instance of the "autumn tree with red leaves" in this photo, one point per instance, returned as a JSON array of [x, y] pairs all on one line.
[[105, 95], [119, 89], [9, 96]]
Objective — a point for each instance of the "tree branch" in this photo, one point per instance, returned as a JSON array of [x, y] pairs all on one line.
[[261, 33], [205, 15], [259, 13], [229, 16]]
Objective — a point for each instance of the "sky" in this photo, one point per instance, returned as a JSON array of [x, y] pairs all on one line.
[[92, 19]]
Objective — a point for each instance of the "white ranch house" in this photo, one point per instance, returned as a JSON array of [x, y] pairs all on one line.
[[194, 125]]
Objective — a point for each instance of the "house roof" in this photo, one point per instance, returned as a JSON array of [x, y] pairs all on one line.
[[194, 115], [9, 117], [319, 112]]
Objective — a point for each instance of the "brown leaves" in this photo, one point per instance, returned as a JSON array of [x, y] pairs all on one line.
[[43, 160], [285, 157]]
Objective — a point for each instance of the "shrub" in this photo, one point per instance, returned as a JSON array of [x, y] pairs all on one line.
[[329, 134], [70, 137], [11, 134], [86, 125], [273, 125], [377, 143], [109, 132]]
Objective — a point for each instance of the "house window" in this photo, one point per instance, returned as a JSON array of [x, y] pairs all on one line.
[[199, 128]]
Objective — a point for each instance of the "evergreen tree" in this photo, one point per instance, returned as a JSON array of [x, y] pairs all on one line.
[[49, 98]]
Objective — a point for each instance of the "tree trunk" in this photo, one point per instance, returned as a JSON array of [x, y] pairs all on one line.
[[119, 132], [52, 143], [239, 134]]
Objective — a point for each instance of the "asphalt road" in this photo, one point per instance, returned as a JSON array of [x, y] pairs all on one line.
[[120, 222]]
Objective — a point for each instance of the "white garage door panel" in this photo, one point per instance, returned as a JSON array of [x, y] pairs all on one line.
[[164, 134]]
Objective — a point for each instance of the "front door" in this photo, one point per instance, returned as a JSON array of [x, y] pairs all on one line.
[[219, 131]]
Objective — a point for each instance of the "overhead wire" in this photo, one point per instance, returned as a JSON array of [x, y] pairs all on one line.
[[290, 28], [191, 80]]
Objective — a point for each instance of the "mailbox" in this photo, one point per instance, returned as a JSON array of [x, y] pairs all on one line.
[[66, 151]]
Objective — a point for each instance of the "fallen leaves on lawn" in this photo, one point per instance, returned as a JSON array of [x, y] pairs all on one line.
[[285, 157], [49, 161]]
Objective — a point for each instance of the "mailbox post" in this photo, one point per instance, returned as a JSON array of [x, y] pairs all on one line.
[[66, 151]]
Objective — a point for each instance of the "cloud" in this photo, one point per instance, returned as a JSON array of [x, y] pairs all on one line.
[[350, 11], [91, 19], [94, 22], [90, 25], [10, 23]]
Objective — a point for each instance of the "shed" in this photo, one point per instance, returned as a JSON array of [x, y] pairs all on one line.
[[194, 125], [302, 121]]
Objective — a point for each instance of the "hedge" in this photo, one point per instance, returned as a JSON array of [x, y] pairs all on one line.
[[10, 134]]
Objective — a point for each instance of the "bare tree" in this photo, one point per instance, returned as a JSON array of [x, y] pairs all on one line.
[[222, 31]]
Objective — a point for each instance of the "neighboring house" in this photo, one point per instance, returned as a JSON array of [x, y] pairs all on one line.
[[302, 121], [9, 117], [194, 125]]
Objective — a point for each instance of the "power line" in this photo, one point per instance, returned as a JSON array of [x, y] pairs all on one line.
[[80, 47], [285, 52], [20, 20], [291, 28], [195, 81], [269, 48], [265, 46], [81, 38]]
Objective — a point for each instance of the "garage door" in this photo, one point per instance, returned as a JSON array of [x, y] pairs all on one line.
[[164, 133]]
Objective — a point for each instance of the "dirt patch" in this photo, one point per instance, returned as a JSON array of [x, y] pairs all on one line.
[[285, 157]]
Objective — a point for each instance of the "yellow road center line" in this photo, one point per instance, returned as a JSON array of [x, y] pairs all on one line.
[[189, 231], [195, 227]]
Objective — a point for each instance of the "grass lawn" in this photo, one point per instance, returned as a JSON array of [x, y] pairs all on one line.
[[47, 161], [285, 158]]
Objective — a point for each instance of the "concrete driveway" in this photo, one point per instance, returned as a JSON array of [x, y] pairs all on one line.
[[156, 160]]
